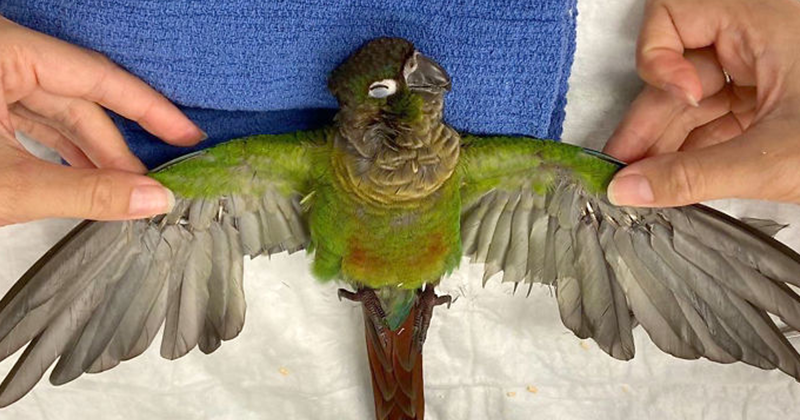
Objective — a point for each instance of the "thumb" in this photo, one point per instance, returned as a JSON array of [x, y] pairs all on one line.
[[44, 189], [748, 166]]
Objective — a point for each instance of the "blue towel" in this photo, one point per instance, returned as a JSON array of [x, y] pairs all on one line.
[[248, 67]]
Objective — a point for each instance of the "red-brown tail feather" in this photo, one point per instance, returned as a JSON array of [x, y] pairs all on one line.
[[396, 366]]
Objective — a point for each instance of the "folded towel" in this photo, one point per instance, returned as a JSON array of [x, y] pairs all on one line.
[[248, 67]]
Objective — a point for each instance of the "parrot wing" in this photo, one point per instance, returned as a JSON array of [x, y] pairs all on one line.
[[701, 284], [101, 294]]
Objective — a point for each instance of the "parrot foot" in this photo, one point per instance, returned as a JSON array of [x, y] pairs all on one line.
[[427, 301], [373, 308]]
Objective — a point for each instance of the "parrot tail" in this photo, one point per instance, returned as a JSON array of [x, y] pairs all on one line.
[[395, 360], [394, 347]]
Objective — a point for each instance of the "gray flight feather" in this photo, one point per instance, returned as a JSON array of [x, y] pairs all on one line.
[[128, 287], [142, 304], [489, 225], [553, 204], [696, 312], [569, 209], [739, 241], [568, 288], [515, 265], [471, 224], [139, 329], [538, 241], [751, 348], [186, 315], [788, 359], [549, 263], [767, 226], [218, 281], [250, 229], [501, 240], [74, 360], [603, 301], [744, 281], [23, 317], [663, 299], [645, 311], [209, 340], [235, 305], [48, 345], [290, 209]]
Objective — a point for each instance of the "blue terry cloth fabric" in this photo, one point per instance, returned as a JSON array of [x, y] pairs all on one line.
[[251, 66]]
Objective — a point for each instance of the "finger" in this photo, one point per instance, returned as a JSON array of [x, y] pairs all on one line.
[[53, 139], [715, 132], [753, 165], [660, 51], [656, 124], [744, 104], [730, 125], [34, 189], [709, 70], [87, 125], [6, 127], [685, 122], [648, 117], [67, 70]]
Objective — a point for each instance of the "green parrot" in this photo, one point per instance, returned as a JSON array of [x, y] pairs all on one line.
[[389, 199]]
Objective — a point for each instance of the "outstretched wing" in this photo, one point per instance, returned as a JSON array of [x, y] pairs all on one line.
[[102, 293], [702, 284]]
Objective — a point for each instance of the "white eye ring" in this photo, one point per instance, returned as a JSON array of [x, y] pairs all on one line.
[[382, 88]]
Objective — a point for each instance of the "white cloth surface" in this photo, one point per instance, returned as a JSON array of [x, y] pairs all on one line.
[[492, 355]]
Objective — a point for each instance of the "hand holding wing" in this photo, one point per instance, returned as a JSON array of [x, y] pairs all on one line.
[[700, 283], [102, 293]]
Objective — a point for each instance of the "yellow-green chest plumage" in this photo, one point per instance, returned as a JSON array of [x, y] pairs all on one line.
[[366, 241]]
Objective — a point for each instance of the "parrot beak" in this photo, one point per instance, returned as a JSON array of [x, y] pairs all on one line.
[[424, 74]]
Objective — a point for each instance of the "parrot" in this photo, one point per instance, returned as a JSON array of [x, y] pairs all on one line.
[[388, 200]]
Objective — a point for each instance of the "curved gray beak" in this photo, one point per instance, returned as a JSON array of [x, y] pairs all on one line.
[[426, 75]]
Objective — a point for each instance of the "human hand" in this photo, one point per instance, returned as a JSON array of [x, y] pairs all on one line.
[[55, 92], [694, 137]]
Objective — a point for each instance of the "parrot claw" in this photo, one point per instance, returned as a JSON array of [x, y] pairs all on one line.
[[346, 294], [427, 301], [372, 309]]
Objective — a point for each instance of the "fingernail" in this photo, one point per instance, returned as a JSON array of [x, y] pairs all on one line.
[[150, 200], [203, 135], [681, 95], [630, 190]]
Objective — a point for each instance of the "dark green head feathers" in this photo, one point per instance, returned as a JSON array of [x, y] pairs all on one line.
[[382, 70], [381, 59]]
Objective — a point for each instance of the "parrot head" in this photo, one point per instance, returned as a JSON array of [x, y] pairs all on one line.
[[387, 76], [390, 130]]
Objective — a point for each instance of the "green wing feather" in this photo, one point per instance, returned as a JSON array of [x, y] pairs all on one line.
[[247, 166], [508, 163], [101, 294], [700, 283]]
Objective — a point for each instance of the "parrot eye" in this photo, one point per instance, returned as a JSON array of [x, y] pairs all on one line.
[[411, 65], [382, 88]]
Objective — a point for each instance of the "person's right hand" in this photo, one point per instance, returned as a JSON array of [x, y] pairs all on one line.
[[693, 137], [55, 92]]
